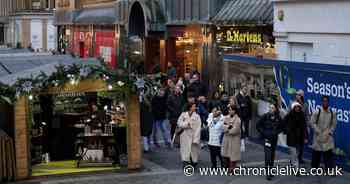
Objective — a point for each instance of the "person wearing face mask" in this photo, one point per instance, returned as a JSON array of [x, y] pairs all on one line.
[[295, 130], [269, 126], [231, 144], [190, 124], [215, 123]]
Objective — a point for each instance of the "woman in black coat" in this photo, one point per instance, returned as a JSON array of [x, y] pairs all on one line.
[[269, 126], [296, 131]]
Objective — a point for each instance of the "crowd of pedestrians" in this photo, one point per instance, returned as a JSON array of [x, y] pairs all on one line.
[[222, 124]]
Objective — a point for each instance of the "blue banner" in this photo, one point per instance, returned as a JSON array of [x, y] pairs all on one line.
[[315, 80], [316, 83]]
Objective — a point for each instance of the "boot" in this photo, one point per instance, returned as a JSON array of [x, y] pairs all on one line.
[[184, 164]]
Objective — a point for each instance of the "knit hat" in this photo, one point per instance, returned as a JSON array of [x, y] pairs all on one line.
[[294, 104], [300, 92]]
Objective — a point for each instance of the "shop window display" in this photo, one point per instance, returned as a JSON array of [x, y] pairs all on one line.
[[79, 130]]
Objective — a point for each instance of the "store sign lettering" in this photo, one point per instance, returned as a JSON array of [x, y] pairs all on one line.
[[247, 37]]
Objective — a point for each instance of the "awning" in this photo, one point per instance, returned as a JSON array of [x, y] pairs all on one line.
[[245, 12], [96, 16], [14, 68]]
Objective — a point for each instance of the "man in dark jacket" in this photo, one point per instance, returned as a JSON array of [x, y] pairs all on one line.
[[197, 88], [244, 104], [295, 129], [174, 104], [245, 110], [159, 110]]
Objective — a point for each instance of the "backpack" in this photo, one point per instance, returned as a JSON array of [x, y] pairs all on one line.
[[319, 113]]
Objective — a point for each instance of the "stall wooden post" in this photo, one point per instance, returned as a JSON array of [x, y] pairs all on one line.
[[22, 138], [134, 134]]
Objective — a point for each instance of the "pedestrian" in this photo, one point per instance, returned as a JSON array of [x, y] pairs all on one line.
[[146, 121], [174, 104], [224, 103], [323, 122], [231, 144], [295, 130], [190, 123], [300, 98], [269, 126], [203, 113], [171, 73], [216, 130], [196, 87], [214, 101], [159, 110], [203, 109], [190, 99], [245, 113], [170, 87]]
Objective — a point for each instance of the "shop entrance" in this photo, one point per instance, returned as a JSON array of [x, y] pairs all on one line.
[[73, 132], [81, 49], [185, 48]]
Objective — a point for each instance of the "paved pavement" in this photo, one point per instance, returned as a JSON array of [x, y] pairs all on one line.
[[163, 166]]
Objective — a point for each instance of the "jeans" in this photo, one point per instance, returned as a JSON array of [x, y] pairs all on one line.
[[160, 125], [146, 143], [245, 128], [294, 152]]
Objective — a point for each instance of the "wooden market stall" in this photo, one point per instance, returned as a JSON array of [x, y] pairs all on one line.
[[88, 85], [37, 75]]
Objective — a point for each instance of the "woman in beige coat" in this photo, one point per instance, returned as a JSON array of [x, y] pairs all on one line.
[[190, 123], [231, 145]]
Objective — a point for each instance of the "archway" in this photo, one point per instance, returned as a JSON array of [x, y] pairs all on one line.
[[137, 23]]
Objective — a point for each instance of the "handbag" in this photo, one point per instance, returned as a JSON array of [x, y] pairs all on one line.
[[176, 138]]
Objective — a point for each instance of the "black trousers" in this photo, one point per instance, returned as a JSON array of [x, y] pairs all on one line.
[[300, 152], [173, 124], [215, 152], [327, 159], [270, 151]]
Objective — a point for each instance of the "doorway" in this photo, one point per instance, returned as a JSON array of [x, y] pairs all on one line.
[[81, 49]]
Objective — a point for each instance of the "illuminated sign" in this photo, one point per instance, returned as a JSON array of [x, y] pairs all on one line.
[[240, 37]]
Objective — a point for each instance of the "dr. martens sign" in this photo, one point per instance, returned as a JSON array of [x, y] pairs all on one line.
[[239, 36]]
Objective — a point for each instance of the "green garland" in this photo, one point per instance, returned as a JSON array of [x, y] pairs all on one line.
[[118, 79]]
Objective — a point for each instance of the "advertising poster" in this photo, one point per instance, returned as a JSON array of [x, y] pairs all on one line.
[[315, 80], [51, 36], [36, 34]]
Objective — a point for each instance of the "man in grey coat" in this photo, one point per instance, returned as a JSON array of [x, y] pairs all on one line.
[[323, 122]]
